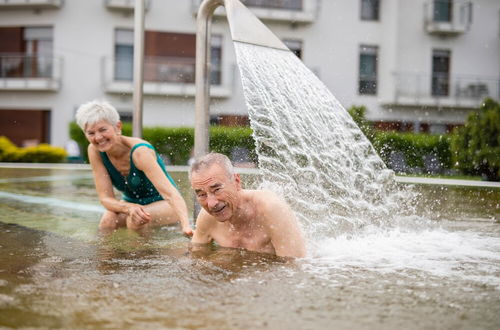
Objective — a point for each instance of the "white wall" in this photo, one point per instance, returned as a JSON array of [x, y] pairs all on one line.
[[84, 35]]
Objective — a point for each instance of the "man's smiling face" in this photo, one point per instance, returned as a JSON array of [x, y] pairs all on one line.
[[217, 191]]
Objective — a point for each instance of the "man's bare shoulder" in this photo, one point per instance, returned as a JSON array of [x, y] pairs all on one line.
[[205, 221], [264, 199]]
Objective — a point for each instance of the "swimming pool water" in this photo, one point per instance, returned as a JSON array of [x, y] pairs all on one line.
[[437, 269]]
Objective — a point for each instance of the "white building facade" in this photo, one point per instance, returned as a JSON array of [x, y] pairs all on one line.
[[417, 65]]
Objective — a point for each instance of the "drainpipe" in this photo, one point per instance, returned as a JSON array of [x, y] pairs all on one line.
[[138, 68], [202, 78]]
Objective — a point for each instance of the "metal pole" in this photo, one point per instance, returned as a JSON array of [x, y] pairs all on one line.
[[245, 27], [202, 78], [138, 67]]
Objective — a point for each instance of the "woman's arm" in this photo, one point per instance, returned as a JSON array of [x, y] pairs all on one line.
[[145, 160], [105, 192]]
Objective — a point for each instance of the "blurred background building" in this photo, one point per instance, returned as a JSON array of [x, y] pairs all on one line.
[[417, 65]]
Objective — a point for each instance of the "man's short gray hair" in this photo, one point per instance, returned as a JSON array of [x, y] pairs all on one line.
[[95, 111], [210, 159]]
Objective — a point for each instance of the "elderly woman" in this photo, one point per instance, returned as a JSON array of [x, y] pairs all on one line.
[[131, 165]]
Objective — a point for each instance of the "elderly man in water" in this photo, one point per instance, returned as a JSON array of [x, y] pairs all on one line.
[[256, 220]]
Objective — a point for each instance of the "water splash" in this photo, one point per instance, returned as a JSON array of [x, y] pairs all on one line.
[[310, 149]]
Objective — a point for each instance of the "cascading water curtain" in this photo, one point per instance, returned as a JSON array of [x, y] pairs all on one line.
[[310, 149]]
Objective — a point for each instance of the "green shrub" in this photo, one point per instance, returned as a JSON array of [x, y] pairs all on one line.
[[42, 153], [225, 139], [177, 142], [415, 147], [358, 115], [476, 146]]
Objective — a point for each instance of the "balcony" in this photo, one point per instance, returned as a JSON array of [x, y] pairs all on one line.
[[21, 72], [286, 11], [31, 4], [457, 91], [447, 17], [124, 5], [162, 76]]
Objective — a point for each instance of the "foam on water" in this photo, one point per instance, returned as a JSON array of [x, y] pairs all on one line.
[[437, 252]]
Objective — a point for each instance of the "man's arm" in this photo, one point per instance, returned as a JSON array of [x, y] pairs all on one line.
[[284, 228], [203, 229]]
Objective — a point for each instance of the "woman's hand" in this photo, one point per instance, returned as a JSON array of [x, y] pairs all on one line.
[[137, 215]]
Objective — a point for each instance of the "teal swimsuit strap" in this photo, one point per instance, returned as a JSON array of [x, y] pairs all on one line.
[[140, 145], [137, 146]]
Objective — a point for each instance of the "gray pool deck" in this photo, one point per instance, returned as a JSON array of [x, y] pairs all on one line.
[[176, 168]]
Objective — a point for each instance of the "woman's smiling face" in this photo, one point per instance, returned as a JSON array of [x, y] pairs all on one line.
[[102, 134]]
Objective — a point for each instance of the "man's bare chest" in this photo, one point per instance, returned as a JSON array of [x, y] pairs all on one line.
[[253, 240]]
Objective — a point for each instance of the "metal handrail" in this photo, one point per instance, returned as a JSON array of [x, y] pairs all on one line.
[[16, 65], [275, 4], [453, 86]]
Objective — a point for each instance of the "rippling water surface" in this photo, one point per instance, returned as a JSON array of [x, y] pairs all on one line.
[[429, 271]]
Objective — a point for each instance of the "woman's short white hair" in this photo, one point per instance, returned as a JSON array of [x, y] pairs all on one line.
[[95, 111]]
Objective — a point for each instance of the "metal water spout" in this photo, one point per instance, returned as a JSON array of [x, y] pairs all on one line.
[[246, 28]]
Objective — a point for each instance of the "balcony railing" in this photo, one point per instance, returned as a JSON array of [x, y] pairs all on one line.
[[31, 4], [289, 11], [456, 90], [125, 5], [30, 72], [447, 16], [162, 75], [274, 4]]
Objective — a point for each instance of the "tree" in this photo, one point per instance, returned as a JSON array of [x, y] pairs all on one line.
[[476, 146]]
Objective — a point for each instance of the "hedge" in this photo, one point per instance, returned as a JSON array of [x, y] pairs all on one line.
[[177, 142], [42, 153], [415, 147], [476, 145]]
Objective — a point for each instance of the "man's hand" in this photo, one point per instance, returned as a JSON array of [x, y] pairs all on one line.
[[187, 231]]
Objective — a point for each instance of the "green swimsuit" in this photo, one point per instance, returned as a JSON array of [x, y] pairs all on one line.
[[136, 187]]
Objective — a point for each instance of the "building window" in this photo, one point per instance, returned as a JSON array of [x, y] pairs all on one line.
[[26, 52], [368, 58], [168, 57], [275, 4], [440, 72], [442, 10], [370, 10], [38, 51], [295, 46], [216, 60], [124, 54]]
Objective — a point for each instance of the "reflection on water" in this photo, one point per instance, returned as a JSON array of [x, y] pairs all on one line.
[[426, 272]]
